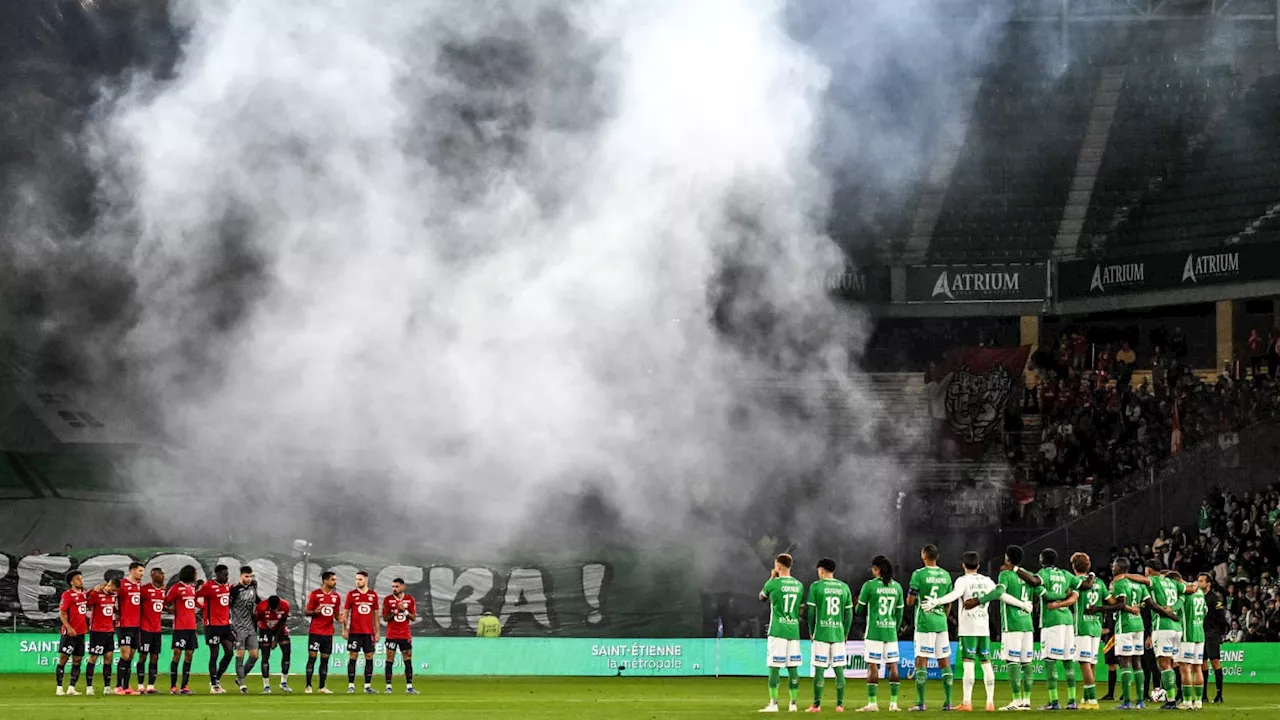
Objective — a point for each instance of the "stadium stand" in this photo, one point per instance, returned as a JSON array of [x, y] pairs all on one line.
[[1227, 191], [1006, 195]]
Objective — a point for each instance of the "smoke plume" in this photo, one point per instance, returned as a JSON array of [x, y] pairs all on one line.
[[490, 269]]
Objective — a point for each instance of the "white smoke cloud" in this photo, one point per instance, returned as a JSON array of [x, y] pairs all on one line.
[[467, 254]]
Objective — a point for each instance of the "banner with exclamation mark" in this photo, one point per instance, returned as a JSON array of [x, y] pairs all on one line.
[[592, 586]]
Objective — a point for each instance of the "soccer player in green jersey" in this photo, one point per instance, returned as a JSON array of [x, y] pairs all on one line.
[[881, 598], [1191, 649], [1088, 625], [830, 610], [1017, 633], [1056, 589], [783, 593], [931, 639]]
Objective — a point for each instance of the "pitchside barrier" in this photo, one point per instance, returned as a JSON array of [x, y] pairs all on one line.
[[587, 657]]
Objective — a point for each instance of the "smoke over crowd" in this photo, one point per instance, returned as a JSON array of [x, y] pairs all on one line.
[[482, 270]]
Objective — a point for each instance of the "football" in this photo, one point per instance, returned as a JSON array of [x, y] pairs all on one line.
[[1159, 695]]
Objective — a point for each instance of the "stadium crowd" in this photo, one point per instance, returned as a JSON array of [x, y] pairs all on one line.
[[1237, 539], [1099, 426]]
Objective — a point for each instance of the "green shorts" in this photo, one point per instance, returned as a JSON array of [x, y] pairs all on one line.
[[975, 648]]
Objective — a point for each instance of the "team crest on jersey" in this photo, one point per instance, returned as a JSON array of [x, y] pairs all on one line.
[[364, 608], [326, 610], [975, 403]]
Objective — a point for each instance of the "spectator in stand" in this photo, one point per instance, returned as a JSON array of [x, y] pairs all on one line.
[[1126, 362], [1273, 353], [1254, 347]]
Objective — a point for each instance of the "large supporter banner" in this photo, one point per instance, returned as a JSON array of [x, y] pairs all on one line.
[[1168, 271], [976, 283], [968, 393], [622, 594]]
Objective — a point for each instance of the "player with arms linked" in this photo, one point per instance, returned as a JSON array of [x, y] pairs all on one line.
[[322, 607], [1017, 632], [360, 623], [881, 598], [272, 615], [783, 593], [181, 601], [931, 639], [73, 611], [1057, 591], [102, 632], [129, 634], [830, 610], [149, 637], [399, 610], [214, 599]]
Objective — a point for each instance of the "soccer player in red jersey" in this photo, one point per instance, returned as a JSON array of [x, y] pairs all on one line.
[[72, 611], [322, 608], [360, 620], [399, 610], [272, 615], [129, 634], [153, 598], [214, 598], [102, 632], [181, 601]]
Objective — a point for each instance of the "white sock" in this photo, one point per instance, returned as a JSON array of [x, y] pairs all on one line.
[[989, 680], [969, 679]]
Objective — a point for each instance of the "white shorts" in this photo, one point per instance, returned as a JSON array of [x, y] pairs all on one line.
[[784, 653], [1087, 649], [1058, 642], [1190, 653], [1130, 644], [876, 652], [1018, 647], [936, 645], [1165, 642], [828, 655]]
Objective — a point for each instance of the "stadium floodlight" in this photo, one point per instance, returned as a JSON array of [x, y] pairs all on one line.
[[302, 549]]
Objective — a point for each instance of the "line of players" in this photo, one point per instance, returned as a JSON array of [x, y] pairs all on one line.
[[237, 622], [1072, 606]]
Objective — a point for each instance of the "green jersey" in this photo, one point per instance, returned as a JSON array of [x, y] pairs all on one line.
[[930, 582], [1133, 595], [1193, 612], [1055, 584], [1089, 625], [830, 608], [1166, 592], [784, 595], [1013, 619], [884, 605]]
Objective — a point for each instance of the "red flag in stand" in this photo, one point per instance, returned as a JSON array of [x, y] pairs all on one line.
[[1175, 437]]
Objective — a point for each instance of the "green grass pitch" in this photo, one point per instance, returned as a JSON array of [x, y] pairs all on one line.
[[30, 697]]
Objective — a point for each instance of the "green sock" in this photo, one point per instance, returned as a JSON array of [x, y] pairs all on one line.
[[1071, 680], [839, 687], [773, 684], [1090, 692], [1140, 683], [818, 681], [1015, 679], [1051, 679], [872, 690], [893, 692], [793, 684], [922, 677], [947, 679], [1126, 679], [1028, 677]]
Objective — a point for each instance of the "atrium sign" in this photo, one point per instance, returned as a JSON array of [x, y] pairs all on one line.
[[976, 283], [1160, 272]]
